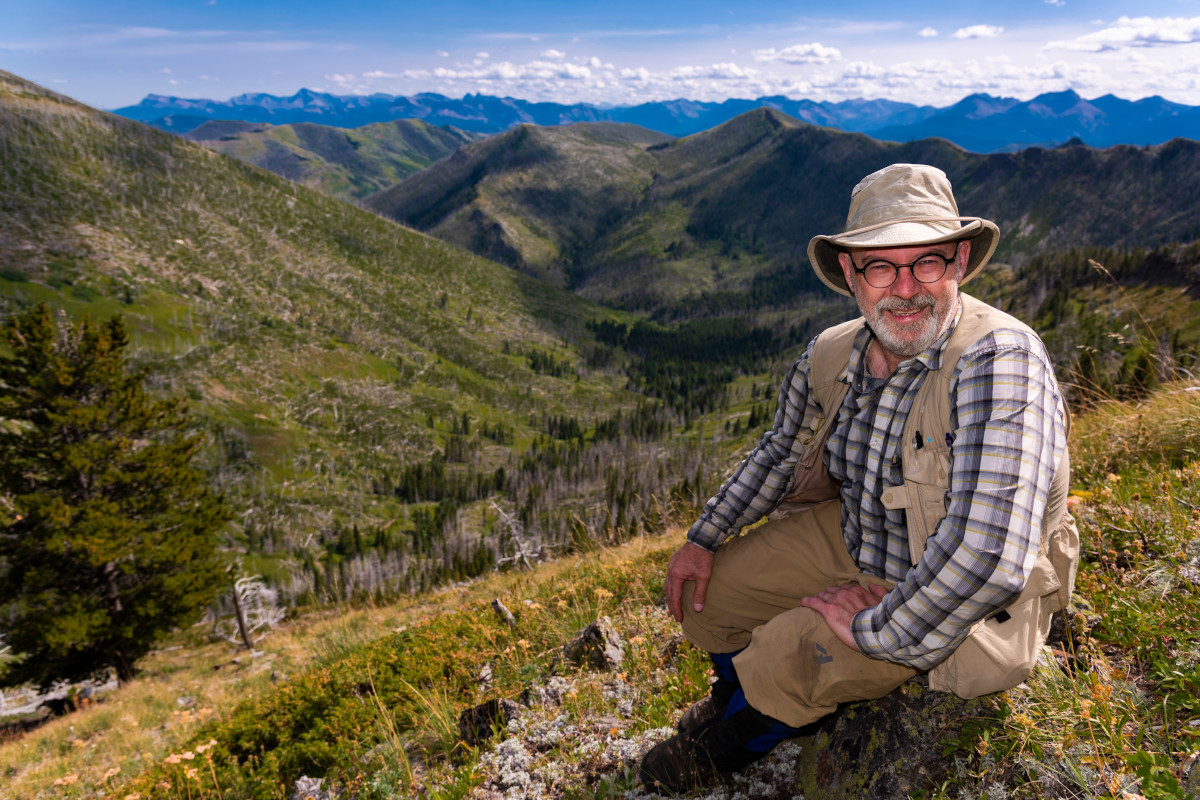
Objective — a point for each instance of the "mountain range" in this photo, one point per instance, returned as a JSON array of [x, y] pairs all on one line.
[[979, 123], [633, 221]]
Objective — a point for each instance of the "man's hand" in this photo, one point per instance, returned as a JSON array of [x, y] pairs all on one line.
[[690, 563], [839, 604]]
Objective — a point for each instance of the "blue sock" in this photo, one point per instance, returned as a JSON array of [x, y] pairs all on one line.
[[723, 665], [765, 741]]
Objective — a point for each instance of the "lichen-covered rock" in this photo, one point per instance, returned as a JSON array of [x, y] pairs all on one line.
[[307, 788], [598, 646], [887, 748], [475, 725]]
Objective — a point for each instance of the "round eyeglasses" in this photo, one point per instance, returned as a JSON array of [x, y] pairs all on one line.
[[929, 268]]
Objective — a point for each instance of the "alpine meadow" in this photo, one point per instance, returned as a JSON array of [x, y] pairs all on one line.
[[428, 410]]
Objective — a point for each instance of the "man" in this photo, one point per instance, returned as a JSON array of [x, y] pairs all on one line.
[[915, 478]]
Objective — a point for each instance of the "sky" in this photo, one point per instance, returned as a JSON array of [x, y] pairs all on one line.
[[112, 53]]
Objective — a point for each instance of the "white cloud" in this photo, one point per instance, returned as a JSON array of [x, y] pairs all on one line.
[[939, 83], [1129, 32], [484, 55], [443, 54], [979, 32], [727, 70], [553, 54], [1056, 3], [337, 78], [928, 32], [814, 53], [92, 36]]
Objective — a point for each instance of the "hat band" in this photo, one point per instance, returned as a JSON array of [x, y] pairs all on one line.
[[899, 220]]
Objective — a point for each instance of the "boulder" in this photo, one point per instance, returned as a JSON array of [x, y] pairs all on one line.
[[890, 748], [598, 646], [475, 725]]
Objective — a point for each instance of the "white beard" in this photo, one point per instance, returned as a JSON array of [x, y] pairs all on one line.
[[918, 336]]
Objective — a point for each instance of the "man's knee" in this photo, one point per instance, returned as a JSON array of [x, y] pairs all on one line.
[[714, 628], [797, 670]]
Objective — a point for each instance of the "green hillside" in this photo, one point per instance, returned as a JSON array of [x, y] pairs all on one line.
[[384, 409], [346, 164], [733, 207], [534, 198]]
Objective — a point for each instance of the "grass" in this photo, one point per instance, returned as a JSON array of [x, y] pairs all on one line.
[[330, 697]]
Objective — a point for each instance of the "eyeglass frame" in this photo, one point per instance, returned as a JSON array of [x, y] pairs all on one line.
[[897, 267]]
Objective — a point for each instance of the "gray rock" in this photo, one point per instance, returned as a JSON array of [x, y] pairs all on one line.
[[311, 789], [598, 646], [475, 725], [887, 749]]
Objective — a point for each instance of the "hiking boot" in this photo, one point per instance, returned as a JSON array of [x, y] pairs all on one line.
[[693, 758], [711, 706], [702, 711], [677, 765]]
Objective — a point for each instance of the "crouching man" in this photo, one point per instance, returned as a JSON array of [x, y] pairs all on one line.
[[915, 480]]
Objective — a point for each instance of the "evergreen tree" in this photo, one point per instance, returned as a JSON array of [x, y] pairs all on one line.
[[108, 533]]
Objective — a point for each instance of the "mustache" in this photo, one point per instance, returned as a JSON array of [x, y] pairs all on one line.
[[914, 303]]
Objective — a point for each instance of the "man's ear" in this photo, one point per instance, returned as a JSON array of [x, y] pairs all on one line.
[[847, 270], [963, 252]]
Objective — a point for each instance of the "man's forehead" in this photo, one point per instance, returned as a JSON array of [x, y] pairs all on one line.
[[902, 252]]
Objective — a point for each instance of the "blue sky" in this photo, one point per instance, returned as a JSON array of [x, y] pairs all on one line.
[[111, 53]]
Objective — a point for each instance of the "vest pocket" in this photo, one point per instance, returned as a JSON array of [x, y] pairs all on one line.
[[922, 495]]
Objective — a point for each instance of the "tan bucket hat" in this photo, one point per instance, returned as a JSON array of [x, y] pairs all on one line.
[[901, 206]]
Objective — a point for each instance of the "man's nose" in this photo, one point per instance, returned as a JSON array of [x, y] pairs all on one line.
[[906, 284]]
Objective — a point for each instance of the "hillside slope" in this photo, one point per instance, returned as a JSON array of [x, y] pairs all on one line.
[[717, 210], [532, 198], [367, 700], [352, 374], [346, 164]]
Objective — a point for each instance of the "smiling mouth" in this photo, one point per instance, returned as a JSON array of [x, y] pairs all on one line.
[[904, 314]]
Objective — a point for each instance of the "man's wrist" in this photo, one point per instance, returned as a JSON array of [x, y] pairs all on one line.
[[704, 538]]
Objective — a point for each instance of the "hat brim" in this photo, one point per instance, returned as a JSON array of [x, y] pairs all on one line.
[[823, 250]]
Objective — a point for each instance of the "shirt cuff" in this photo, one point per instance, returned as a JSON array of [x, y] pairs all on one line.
[[865, 637], [707, 535]]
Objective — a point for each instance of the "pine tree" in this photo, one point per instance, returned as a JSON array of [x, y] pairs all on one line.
[[108, 532]]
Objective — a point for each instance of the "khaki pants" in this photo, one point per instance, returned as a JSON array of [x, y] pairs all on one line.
[[793, 667]]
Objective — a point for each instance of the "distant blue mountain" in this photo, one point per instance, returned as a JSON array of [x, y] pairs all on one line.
[[986, 124], [979, 123]]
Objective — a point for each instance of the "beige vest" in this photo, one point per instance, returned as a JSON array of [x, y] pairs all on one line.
[[1001, 650]]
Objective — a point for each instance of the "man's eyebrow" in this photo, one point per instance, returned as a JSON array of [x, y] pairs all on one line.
[[871, 259]]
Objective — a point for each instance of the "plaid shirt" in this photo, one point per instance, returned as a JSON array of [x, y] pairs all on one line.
[[1007, 419]]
